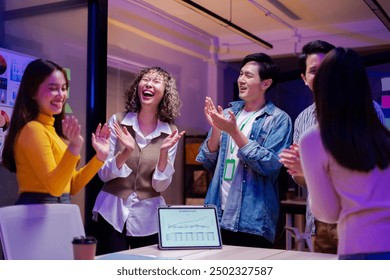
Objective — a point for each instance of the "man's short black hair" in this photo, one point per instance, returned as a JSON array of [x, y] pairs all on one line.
[[317, 46], [267, 70]]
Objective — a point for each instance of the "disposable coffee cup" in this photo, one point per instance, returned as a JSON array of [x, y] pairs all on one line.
[[84, 247], [290, 194]]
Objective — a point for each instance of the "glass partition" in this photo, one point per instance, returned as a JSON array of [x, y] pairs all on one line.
[[54, 30]]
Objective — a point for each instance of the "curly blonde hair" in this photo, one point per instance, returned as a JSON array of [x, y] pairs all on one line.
[[169, 107]]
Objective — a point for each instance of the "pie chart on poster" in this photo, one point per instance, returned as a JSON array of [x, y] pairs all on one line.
[[3, 64], [4, 122]]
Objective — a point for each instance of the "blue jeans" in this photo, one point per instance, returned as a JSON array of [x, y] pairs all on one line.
[[366, 256]]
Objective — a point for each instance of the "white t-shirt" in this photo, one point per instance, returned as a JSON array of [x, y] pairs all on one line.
[[244, 121]]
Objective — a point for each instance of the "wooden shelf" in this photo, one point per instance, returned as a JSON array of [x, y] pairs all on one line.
[[196, 177]]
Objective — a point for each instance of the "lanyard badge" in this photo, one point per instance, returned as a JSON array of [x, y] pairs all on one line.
[[230, 165]]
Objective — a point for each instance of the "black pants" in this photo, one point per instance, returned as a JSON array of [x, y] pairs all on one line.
[[110, 240], [244, 239], [42, 198]]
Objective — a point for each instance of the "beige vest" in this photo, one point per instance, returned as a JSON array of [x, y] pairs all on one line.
[[142, 162]]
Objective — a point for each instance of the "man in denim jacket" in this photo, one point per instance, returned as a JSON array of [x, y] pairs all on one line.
[[242, 150]]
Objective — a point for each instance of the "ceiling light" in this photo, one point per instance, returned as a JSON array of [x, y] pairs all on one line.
[[224, 22], [281, 7], [379, 12]]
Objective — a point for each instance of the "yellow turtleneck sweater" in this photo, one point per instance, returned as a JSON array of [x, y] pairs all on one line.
[[45, 165]]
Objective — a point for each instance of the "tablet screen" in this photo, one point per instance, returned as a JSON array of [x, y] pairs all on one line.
[[188, 227]]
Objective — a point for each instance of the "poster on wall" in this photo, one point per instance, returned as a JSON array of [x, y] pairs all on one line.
[[12, 65]]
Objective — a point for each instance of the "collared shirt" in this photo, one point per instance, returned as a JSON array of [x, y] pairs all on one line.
[[139, 216], [252, 205], [305, 120]]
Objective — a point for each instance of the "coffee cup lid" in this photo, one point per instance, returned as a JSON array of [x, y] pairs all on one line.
[[84, 240]]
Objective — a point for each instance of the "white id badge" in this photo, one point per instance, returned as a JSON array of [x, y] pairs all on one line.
[[230, 165]]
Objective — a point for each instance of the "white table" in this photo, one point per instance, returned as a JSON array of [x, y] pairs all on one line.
[[226, 253], [299, 255]]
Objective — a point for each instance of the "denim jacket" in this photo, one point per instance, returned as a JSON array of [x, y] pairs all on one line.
[[252, 205]]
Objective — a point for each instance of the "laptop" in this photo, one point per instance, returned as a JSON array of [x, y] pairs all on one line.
[[188, 227]]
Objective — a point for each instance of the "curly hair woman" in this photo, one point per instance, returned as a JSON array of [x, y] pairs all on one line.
[[139, 166]]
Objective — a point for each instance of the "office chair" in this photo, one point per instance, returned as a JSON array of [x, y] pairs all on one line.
[[39, 231], [301, 237]]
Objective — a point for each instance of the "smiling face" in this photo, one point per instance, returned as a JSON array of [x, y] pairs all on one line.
[[52, 94], [151, 89], [249, 82], [250, 86]]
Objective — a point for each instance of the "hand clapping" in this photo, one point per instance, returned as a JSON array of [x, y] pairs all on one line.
[[291, 160], [124, 136], [101, 142], [71, 129], [216, 118], [171, 140]]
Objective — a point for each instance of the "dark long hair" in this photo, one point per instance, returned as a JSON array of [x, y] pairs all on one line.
[[169, 107], [350, 128], [26, 107]]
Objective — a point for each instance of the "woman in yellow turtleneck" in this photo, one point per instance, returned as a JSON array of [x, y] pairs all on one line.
[[42, 146]]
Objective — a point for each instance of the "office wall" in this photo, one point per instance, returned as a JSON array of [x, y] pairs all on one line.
[[379, 77]]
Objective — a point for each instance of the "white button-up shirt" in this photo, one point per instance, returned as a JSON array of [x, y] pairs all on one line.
[[140, 216]]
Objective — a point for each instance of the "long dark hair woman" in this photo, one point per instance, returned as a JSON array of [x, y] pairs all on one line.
[[42, 145]]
